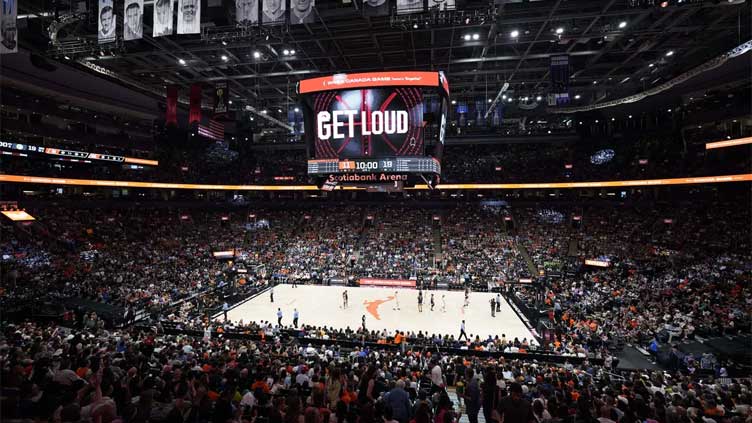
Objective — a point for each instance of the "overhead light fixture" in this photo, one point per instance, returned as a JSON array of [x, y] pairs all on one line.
[[651, 65], [279, 110], [623, 24], [664, 4], [292, 52], [181, 61], [509, 100], [224, 43], [296, 110], [225, 58], [263, 112], [415, 26], [515, 34], [476, 36], [595, 82], [613, 119], [67, 58], [256, 55], [467, 37], [504, 96], [286, 52], [577, 97], [630, 116], [539, 98], [559, 30], [490, 100], [229, 102], [670, 53]]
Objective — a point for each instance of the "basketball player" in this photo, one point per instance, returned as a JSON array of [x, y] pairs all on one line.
[[420, 301], [344, 299], [432, 301], [271, 294], [363, 320], [396, 301], [467, 297], [443, 303], [279, 318]]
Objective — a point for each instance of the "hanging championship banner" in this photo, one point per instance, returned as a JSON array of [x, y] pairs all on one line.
[[106, 26], [221, 99], [8, 28], [560, 79], [171, 112], [375, 7], [195, 106], [409, 6], [246, 12], [162, 18], [189, 16], [301, 11], [134, 20], [273, 12]]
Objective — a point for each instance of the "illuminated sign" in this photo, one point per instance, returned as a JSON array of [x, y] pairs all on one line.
[[17, 215], [597, 263], [374, 123], [74, 154], [373, 79], [224, 254], [728, 143], [744, 177], [401, 283]]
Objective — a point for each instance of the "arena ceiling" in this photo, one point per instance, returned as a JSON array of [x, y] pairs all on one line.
[[615, 48]]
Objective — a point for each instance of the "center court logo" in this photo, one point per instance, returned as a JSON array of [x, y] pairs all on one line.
[[373, 306]]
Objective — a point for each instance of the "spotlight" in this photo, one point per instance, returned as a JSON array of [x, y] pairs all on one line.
[[225, 58], [279, 110], [630, 116], [509, 100], [224, 43], [577, 97], [623, 24], [229, 102], [539, 98], [490, 100], [67, 58], [263, 112], [181, 61], [664, 4], [595, 82], [467, 37], [476, 36], [515, 34], [296, 110], [559, 30], [415, 26], [651, 65], [504, 96], [454, 101], [286, 52], [292, 52], [256, 55], [670, 53]]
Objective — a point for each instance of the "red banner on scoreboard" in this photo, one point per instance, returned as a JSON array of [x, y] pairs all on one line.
[[344, 81], [400, 283]]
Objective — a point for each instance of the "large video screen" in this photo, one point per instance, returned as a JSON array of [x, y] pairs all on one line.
[[367, 122]]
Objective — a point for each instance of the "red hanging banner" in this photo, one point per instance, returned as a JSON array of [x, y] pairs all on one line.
[[171, 112], [195, 111]]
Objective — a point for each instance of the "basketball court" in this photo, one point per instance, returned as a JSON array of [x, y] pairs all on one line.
[[322, 306]]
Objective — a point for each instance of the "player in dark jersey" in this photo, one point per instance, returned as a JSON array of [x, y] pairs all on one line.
[[420, 301]]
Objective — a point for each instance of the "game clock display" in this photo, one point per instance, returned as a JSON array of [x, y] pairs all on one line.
[[383, 164]]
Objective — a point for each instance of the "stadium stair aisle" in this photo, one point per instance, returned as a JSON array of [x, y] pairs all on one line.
[[530, 265], [573, 249], [437, 251], [463, 418]]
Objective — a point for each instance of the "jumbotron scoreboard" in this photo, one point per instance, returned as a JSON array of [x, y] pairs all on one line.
[[381, 130]]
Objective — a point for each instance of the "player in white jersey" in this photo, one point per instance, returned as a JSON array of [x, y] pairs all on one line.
[[396, 301], [467, 297]]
